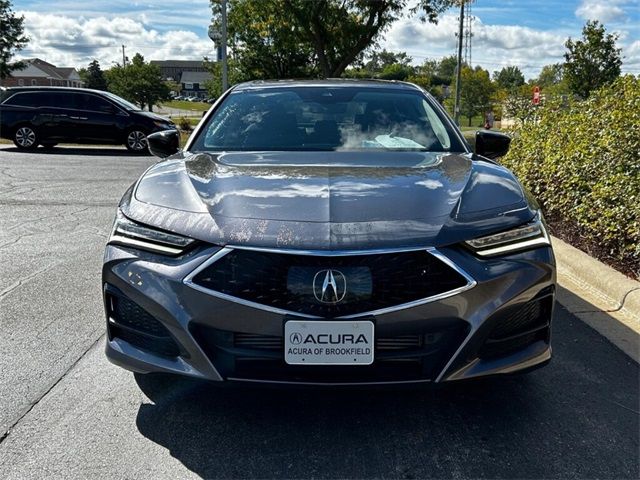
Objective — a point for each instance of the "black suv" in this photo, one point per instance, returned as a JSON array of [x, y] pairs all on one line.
[[32, 116]]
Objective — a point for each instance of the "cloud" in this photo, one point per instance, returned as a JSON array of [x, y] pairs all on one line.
[[496, 46], [493, 46], [603, 10], [65, 40]]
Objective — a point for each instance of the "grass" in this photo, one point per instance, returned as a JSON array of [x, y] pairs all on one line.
[[181, 105]]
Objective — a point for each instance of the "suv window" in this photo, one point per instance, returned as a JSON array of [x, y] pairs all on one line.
[[85, 101], [24, 99], [42, 99]]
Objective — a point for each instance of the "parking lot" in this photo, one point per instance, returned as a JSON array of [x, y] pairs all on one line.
[[66, 412]]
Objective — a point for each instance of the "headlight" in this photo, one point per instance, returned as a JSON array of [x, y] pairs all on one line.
[[131, 234], [530, 235]]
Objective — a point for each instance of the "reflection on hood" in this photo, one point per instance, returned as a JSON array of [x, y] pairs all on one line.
[[346, 195]]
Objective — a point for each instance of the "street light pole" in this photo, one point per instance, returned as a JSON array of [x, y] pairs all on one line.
[[456, 105], [225, 81]]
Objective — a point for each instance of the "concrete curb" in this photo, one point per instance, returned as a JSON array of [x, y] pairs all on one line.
[[602, 297]]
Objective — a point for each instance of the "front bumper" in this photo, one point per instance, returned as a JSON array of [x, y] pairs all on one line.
[[500, 325]]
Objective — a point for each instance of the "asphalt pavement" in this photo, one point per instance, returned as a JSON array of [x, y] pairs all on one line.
[[65, 412]]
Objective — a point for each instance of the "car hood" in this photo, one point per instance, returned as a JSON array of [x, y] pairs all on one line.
[[153, 116], [328, 200]]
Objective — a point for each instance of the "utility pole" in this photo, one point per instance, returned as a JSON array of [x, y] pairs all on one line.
[[124, 57], [219, 36], [225, 81], [456, 107]]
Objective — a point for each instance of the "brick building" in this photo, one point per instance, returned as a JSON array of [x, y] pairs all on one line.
[[42, 74]]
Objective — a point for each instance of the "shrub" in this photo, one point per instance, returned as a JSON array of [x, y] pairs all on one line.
[[582, 162], [184, 124]]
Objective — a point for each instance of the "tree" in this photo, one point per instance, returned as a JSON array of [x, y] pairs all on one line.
[[384, 64], [325, 36], [138, 82], [551, 80], [378, 61], [476, 92], [396, 71], [550, 75], [509, 78], [447, 69], [267, 41], [234, 74], [93, 76], [593, 61], [12, 38]]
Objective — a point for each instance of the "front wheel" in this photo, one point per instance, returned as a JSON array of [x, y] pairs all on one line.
[[136, 141], [25, 138]]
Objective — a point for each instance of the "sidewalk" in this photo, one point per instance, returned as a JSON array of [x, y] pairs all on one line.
[[600, 296]]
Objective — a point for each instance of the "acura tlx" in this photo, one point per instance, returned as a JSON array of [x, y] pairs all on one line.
[[328, 232]]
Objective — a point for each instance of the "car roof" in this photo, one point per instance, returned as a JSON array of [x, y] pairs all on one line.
[[54, 89], [329, 82]]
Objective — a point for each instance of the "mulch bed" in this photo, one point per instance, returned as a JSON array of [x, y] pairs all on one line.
[[569, 232]]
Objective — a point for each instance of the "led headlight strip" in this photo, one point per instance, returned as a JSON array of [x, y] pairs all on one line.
[[132, 234], [530, 235]]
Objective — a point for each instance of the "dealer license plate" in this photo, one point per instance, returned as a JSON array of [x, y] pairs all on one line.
[[328, 343]]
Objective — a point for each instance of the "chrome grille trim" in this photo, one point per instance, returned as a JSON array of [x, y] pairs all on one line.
[[188, 280]]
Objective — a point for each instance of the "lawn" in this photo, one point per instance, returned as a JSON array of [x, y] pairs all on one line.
[[181, 105]]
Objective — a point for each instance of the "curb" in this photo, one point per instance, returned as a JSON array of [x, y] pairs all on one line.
[[602, 297]]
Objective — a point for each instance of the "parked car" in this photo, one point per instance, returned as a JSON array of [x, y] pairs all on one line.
[[329, 232], [32, 116]]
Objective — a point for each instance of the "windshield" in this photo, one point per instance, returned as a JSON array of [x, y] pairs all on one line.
[[121, 101], [349, 118]]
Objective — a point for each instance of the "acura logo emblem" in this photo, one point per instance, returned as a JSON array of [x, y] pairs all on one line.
[[329, 286]]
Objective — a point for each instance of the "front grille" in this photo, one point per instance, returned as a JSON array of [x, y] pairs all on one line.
[[520, 327], [131, 323], [130, 314], [271, 342], [408, 357], [363, 283], [163, 346]]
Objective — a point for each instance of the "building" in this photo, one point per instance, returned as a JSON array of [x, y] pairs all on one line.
[[42, 74], [173, 69], [193, 84]]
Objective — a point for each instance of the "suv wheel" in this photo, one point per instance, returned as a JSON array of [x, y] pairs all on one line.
[[136, 141], [25, 138]]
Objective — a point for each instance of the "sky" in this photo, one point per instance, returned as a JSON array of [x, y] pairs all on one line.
[[525, 33]]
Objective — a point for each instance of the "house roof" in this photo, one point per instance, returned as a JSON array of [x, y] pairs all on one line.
[[178, 63], [51, 71], [195, 77], [65, 72]]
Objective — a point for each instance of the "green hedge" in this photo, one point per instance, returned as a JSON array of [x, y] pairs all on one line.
[[582, 162]]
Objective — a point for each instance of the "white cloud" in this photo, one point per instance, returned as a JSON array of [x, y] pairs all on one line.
[[496, 46], [632, 56], [493, 46], [75, 41], [602, 10]]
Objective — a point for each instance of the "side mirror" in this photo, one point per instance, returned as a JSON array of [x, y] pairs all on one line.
[[164, 144], [492, 144]]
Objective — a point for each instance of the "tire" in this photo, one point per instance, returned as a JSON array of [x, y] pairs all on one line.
[[136, 141], [25, 137]]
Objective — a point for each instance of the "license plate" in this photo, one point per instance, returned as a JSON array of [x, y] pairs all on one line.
[[328, 343]]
